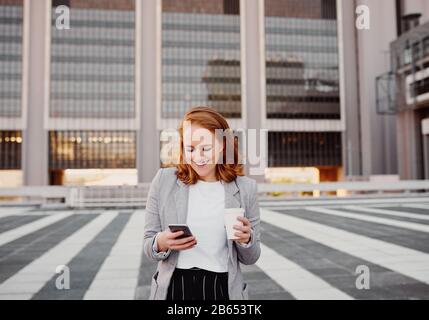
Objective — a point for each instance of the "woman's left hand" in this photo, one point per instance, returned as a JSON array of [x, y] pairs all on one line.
[[243, 232]]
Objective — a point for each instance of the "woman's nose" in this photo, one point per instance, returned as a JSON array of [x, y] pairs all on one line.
[[199, 157]]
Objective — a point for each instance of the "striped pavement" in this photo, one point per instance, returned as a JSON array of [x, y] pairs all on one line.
[[307, 252]]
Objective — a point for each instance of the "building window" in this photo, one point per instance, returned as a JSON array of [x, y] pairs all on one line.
[[92, 149], [302, 78], [10, 150], [200, 56], [11, 17], [304, 149], [93, 62]]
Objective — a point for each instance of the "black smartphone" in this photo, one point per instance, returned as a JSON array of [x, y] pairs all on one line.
[[181, 227]]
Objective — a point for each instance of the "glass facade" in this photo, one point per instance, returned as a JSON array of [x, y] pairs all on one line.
[[302, 80], [11, 13], [92, 76], [92, 63], [11, 22], [92, 149], [10, 150], [304, 149], [201, 56], [301, 59]]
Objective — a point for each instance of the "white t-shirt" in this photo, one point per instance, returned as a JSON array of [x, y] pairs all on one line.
[[206, 204]]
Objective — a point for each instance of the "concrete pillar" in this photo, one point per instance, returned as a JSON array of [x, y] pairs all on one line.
[[374, 60], [349, 88], [410, 153], [253, 60], [35, 137], [148, 59], [426, 156]]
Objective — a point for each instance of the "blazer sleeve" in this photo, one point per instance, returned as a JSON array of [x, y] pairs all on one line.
[[249, 253], [153, 221]]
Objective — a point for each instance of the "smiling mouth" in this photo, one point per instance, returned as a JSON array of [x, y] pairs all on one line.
[[201, 165]]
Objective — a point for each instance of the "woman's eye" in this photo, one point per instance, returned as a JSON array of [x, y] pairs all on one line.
[[207, 148], [189, 150]]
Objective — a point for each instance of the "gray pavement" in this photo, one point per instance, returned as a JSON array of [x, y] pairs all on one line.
[[308, 252]]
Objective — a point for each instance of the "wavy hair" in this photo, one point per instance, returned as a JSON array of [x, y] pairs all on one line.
[[210, 119]]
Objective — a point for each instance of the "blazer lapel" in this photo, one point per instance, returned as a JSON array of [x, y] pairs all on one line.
[[232, 197], [181, 199], [232, 200]]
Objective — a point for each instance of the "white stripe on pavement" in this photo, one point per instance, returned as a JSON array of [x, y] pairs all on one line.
[[417, 206], [117, 278], [12, 211], [409, 262], [19, 232], [29, 280], [364, 217], [389, 212], [299, 282], [339, 201]]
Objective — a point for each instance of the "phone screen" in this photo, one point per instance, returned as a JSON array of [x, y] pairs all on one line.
[[181, 227]]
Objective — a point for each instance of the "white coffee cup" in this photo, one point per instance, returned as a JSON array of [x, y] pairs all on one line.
[[231, 215]]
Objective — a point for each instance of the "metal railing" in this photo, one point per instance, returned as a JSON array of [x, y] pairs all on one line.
[[136, 196]]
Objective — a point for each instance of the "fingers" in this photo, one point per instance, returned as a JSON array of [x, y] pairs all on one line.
[[182, 241], [242, 236], [245, 221], [245, 229], [187, 245], [174, 235]]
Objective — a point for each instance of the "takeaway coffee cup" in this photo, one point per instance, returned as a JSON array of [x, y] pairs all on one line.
[[231, 215]]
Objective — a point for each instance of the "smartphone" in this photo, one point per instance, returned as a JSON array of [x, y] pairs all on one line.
[[181, 227]]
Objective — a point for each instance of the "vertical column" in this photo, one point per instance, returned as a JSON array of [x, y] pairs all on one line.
[[253, 62], [374, 59], [148, 59], [35, 137], [410, 152], [349, 88], [426, 156]]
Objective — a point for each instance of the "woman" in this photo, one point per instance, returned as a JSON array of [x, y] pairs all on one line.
[[195, 192]]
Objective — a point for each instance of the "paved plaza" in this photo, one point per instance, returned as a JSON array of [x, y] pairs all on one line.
[[309, 251]]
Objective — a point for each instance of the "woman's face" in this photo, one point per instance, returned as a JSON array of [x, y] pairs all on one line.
[[201, 150]]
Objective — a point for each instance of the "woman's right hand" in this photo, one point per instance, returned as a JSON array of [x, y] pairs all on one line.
[[167, 240]]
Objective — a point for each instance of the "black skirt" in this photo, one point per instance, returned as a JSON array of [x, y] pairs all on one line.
[[198, 284]]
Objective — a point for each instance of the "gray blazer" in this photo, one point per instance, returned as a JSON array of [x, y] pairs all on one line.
[[167, 203]]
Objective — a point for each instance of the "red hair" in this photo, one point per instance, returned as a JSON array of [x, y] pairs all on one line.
[[211, 120]]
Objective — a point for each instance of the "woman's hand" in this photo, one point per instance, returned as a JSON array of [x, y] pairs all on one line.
[[243, 232], [167, 240]]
